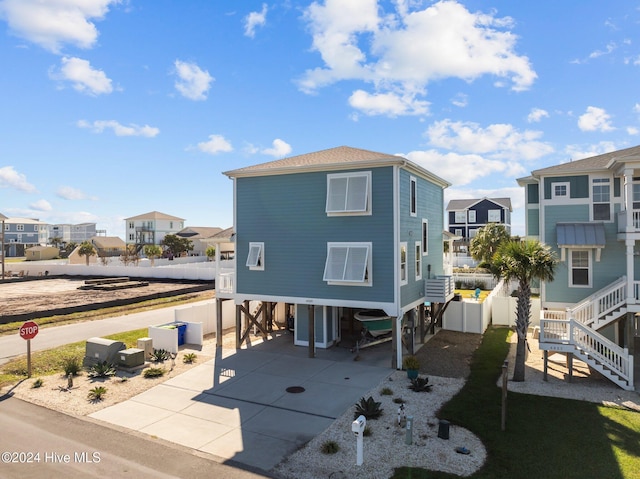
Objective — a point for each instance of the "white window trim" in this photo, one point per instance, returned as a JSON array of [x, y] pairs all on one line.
[[560, 183], [19, 227], [255, 257], [344, 212], [413, 196], [368, 275], [610, 202], [458, 231], [472, 216], [491, 213], [425, 237], [589, 268], [403, 264], [460, 217], [418, 260]]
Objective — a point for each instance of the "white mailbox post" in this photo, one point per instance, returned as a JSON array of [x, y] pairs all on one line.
[[357, 427]]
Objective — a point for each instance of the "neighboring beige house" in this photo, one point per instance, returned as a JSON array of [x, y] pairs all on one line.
[[37, 253], [224, 243], [199, 236], [151, 228], [108, 245]]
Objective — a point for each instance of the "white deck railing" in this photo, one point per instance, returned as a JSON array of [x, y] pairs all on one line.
[[569, 335], [439, 290]]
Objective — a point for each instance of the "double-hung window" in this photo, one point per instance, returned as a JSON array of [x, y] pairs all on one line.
[[349, 193], [601, 199], [418, 250], [348, 264], [460, 217], [493, 216], [580, 267], [472, 216], [255, 258]]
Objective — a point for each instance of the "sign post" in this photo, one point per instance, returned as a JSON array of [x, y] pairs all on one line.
[[28, 331]]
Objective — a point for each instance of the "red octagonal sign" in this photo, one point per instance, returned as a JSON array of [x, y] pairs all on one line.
[[28, 330]]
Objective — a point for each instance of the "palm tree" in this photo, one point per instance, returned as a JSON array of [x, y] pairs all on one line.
[[523, 261], [87, 250], [486, 242]]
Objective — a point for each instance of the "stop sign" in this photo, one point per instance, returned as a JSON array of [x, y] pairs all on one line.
[[28, 330]]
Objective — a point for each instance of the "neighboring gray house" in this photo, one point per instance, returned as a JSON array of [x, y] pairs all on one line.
[[325, 235], [23, 233], [69, 233], [588, 212]]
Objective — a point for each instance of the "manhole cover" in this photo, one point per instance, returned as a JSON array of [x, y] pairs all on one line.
[[295, 389]]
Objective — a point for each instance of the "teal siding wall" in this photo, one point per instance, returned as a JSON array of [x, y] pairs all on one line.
[[578, 185], [611, 266], [429, 206], [533, 197], [287, 213], [533, 222]]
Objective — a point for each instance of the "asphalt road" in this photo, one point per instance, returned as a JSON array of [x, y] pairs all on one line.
[[39, 443]]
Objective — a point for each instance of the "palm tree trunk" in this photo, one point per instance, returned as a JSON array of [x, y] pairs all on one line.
[[522, 326]]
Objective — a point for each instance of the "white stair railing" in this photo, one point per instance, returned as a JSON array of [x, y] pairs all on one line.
[[568, 335], [600, 303]]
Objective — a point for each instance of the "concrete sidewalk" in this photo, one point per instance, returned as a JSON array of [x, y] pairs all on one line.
[[51, 337], [237, 407]]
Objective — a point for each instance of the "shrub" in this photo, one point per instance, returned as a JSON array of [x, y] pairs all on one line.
[[71, 365], [399, 400], [189, 358], [368, 408], [386, 392], [102, 370], [367, 432], [153, 372], [420, 385], [411, 362], [159, 355], [329, 447], [97, 393], [37, 383]]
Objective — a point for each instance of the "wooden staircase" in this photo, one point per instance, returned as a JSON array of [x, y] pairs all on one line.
[[575, 331]]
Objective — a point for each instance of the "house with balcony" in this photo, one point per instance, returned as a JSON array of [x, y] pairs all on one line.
[[23, 233], [151, 228], [324, 236], [70, 233], [588, 212], [465, 217]]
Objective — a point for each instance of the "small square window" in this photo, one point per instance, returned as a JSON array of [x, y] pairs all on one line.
[[255, 259], [560, 190]]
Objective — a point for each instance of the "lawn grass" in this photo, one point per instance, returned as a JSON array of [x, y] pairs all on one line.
[[545, 437], [50, 361]]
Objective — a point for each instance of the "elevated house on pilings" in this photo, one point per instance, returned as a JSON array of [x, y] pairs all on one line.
[[324, 238], [588, 211]]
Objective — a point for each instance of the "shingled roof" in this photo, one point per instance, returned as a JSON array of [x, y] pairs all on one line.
[[594, 163], [340, 157], [457, 205]]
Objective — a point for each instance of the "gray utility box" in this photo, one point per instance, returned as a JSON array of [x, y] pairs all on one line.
[[131, 358], [100, 350], [147, 345]]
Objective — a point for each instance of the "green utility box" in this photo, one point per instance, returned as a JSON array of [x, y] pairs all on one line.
[[131, 358]]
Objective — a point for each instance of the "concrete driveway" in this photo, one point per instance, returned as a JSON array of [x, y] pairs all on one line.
[[254, 406]]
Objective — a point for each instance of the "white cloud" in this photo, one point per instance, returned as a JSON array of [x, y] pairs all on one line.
[[595, 119], [578, 152], [456, 168], [632, 130], [54, 23], [10, 178], [83, 77], [280, 149], [41, 205], [536, 115], [498, 141], [390, 104], [460, 100], [636, 108], [69, 193], [609, 49], [215, 144], [193, 82], [120, 130], [404, 51], [255, 19]]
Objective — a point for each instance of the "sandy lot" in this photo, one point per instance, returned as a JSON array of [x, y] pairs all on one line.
[[19, 297]]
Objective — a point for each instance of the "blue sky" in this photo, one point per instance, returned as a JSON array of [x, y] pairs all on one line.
[[114, 108]]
